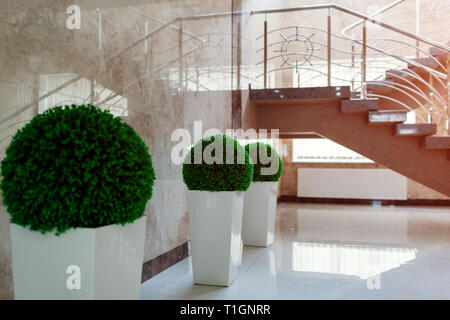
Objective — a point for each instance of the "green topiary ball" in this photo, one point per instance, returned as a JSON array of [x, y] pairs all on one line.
[[263, 156], [76, 167], [220, 175]]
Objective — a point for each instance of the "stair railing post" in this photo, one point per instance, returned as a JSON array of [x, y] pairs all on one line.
[[146, 40], [180, 56], [197, 78], [447, 113], [100, 29], [431, 97], [265, 53], [329, 48], [364, 63], [417, 26], [353, 66]]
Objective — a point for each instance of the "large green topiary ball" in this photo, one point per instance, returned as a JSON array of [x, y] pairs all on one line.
[[264, 156], [76, 167], [214, 172]]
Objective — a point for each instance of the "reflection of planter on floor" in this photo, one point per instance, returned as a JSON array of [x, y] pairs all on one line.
[[260, 205], [83, 263], [216, 247], [260, 201], [215, 203], [76, 181]]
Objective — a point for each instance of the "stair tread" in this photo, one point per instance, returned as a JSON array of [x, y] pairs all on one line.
[[391, 111], [387, 116], [379, 84], [355, 95], [394, 74], [437, 51], [359, 105], [427, 62], [434, 51], [415, 129], [437, 142], [382, 86], [340, 92]]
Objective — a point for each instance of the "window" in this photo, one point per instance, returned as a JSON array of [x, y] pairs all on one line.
[[323, 150]]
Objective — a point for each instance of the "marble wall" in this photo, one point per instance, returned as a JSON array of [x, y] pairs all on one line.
[[36, 43]]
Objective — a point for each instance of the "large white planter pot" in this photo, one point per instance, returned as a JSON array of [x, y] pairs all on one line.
[[108, 261], [216, 245], [260, 206]]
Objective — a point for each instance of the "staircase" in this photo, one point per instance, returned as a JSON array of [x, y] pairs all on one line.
[[360, 125], [367, 111]]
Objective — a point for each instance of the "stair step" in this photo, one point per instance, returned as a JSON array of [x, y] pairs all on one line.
[[355, 95], [387, 116], [415, 129], [435, 52], [427, 62], [358, 105], [437, 142], [395, 74], [380, 86], [341, 92]]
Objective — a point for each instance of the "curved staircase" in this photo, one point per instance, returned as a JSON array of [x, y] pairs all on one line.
[[360, 125]]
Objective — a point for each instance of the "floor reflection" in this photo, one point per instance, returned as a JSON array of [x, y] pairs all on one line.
[[334, 252], [361, 261]]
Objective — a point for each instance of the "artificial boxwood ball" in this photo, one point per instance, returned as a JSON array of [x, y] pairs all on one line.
[[218, 163], [76, 167], [264, 156]]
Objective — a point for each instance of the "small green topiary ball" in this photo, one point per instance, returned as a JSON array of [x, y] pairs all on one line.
[[264, 156], [214, 172], [76, 167]]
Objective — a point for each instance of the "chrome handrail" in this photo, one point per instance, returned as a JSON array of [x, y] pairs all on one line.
[[358, 15], [173, 22], [172, 26], [254, 12], [357, 23]]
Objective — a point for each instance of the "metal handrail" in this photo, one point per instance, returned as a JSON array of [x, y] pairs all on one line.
[[171, 23], [358, 15], [254, 12], [172, 26], [357, 23]]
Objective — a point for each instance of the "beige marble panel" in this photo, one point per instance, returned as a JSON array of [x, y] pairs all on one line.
[[14, 93], [35, 42], [6, 288]]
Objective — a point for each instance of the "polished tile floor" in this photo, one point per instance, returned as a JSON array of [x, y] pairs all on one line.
[[334, 252]]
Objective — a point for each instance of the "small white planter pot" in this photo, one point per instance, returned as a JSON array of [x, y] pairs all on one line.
[[260, 206], [84, 263], [216, 245]]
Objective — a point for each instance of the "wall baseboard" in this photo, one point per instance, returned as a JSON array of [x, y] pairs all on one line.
[[409, 202], [156, 265]]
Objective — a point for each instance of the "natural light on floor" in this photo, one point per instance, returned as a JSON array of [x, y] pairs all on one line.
[[361, 261]]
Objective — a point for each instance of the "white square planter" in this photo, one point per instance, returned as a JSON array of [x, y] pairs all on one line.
[[216, 246], [260, 206], [109, 259]]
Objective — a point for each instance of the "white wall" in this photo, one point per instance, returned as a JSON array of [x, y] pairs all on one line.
[[351, 184]]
